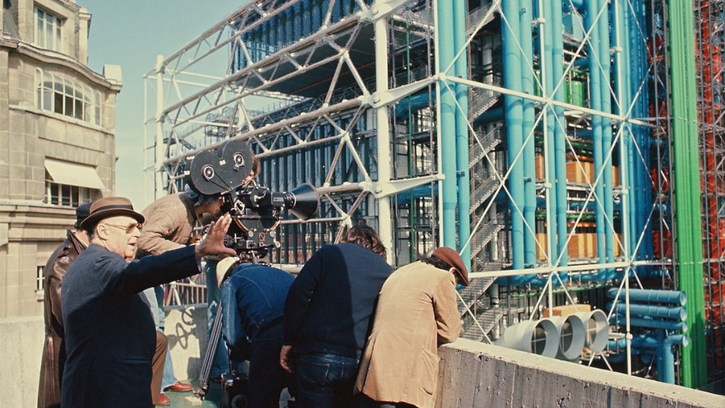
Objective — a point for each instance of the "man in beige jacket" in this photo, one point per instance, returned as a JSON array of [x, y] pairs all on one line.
[[417, 312]]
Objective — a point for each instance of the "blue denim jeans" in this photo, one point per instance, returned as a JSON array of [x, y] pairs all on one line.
[[221, 359], [326, 381], [266, 378]]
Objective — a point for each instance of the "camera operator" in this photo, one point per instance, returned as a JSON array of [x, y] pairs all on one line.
[[253, 297], [109, 332]]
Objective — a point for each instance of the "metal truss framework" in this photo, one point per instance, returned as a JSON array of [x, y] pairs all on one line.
[[373, 157], [709, 58]]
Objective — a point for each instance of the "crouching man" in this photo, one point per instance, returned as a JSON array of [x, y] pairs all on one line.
[[252, 298]]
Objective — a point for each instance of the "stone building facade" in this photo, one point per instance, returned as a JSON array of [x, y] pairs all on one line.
[[57, 139]]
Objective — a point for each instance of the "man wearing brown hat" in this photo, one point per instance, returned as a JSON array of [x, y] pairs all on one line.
[[110, 337], [417, 312], [51, 367]]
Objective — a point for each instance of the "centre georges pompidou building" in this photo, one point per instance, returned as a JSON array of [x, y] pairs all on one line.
[[571, 150]]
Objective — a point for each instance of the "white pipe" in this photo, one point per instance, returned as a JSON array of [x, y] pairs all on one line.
[[597, 329], [532, 336], [385, 228], [572, 336]]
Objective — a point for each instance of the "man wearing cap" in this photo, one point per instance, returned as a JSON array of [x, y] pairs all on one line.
[[51, 367], [417, 312], [109, 332], [253, 297]]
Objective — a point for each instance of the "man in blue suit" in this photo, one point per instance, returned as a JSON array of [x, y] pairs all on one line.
[[110, 334]]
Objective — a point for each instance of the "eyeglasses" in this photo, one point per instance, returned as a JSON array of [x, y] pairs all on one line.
[[128, 228]]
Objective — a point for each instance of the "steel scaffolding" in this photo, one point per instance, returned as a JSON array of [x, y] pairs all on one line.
[[534, 136]]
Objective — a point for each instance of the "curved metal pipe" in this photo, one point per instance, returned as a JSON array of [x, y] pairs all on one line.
[[664, 312], [532, 336], [654, 296], [597, 329], [572, 336], [652, 323]]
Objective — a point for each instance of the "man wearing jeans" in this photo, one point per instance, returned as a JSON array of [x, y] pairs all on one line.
[[327, 317], [253, 299]]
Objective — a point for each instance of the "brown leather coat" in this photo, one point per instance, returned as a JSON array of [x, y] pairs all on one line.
[[51, 368]]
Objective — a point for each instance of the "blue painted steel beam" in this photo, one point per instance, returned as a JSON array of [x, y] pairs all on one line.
[[447, 136], [463, 179]]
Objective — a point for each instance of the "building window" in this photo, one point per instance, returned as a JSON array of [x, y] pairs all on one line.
[[67, 97], [39, 279], [65, 195], [47, 30]]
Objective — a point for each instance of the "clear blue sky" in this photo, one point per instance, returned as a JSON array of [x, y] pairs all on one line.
[[130, 33]]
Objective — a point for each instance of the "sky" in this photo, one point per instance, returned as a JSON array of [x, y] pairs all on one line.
[[131, 33]]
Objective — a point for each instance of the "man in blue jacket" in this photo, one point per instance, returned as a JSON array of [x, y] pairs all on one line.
[[110, 337], [327, 317], [252, 298]]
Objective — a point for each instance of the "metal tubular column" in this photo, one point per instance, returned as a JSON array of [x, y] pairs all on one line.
[[527, 74], [383, 134], [557, 63], [514, 120], [447, 123], [686, 176], [462, 157]]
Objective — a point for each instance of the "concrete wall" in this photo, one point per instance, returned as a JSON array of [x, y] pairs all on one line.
[[21, 345], [474, 374], [471, 374]]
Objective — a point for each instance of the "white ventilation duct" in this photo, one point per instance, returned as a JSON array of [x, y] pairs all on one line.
[[572, 336], [533, 336], [597, 329]]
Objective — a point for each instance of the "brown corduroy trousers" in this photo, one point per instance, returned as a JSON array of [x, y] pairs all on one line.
[[157, 365]]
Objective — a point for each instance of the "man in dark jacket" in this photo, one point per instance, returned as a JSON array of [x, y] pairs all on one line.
[[109, 331], [51, 367], [327, 317], [252, 298], [172, 222]]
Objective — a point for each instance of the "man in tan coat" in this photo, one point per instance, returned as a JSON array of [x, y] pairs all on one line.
[[417, 312]]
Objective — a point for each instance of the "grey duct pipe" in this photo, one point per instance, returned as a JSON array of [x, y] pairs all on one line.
[[572, 336], [597, 329], [532, 336]]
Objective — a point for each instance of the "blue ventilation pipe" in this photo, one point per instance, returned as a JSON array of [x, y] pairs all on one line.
[[666, 356], [664, 312], [557, 53], [606, 106], [447, 136], [548, 82], [514, 121], [529, 119], [595, 90], [651, 323], [462, 156], [672, 297]]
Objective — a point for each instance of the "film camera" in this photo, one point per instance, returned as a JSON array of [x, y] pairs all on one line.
[[256, 211]]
